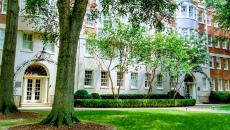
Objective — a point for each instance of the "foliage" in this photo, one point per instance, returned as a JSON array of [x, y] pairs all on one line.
[[135, 96], [222, 7], [150, 12], [81, 94], [95, 96], [219, 97], [110, 103], [112, 47], [177, 95]]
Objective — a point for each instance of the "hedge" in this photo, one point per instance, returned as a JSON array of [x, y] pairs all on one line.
[[140, 96], [131, 103], [219, 97]]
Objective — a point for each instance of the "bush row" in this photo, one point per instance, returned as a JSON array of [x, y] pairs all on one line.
[[132, 103], [219, 97], [83, 94]]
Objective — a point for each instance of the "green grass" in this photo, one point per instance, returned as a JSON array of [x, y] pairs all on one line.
[[227, 108], [149, 119]]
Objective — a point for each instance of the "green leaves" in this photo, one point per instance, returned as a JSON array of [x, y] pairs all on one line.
[[150, 12]]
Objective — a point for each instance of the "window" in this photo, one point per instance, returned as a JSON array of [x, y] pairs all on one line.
[[104, 79], [226, 64], [201, 16], [183, 10], [213, 84], [209, 40], [134, 80], [120, 79], [147, 80], [28, 42], [191, 11], [211, 62], [50, 47], [204, 83], [224, 44], [159, 81], [217, 42], [2, 37], [88, 78], [227, 85], [90, 19], [4, 6], [218, 62], [209, 20], [219, 84]]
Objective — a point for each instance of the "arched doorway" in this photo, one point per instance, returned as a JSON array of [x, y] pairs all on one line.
[[36, 80], [189, 86]]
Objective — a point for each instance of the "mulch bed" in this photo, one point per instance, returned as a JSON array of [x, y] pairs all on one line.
[[19, 115], [79, 126]]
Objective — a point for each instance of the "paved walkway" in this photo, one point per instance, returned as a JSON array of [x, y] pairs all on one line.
[[198, 108]]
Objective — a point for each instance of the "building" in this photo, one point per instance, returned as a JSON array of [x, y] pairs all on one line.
[[35, 77]]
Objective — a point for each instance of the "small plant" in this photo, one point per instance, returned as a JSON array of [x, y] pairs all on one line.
[[95, 96], [81, 94]]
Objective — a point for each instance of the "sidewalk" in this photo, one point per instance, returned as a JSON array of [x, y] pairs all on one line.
[[197, 108]]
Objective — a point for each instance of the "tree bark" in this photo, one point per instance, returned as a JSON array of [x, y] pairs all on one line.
[[7, 104], [70, 23]]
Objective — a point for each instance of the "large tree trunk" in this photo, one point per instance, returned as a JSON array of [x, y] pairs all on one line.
[[7, 104], [70, 23]]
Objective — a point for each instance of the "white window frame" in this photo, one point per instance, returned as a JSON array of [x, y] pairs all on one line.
[[211, 62], [226, 61], [201, 16], [218, 60], [227, 86], [89, 77], [209, 20], [213, 84], [224, 44], [2, 38], [191, 13], [26, 41], [104, 79], [147, 79], [210, 41], [220, 85], [217, 42], [159, 81], [184, 12], [4, 6], [134, 80]]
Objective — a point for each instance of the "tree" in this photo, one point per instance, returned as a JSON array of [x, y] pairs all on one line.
[[7, 104], [112, 48], [70, 18], [222, 8], [181, 56]]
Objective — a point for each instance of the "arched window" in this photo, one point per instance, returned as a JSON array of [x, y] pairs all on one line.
[[35, 70]]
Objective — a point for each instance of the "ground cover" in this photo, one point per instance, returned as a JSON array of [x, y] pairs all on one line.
[[146, 119]]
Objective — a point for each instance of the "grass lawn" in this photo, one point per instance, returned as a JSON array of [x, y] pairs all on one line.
[[147, 119], [227, 107]]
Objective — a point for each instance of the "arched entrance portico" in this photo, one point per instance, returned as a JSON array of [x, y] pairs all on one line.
[[189, 87], [35, 80]]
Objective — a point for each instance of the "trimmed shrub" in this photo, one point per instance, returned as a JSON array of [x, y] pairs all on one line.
[[132, 103], [219, 97], [135, 96], [171, 94], [81, 94], [96, 96]]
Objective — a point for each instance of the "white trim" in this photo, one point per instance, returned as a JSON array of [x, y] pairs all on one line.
[[220, 55]]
